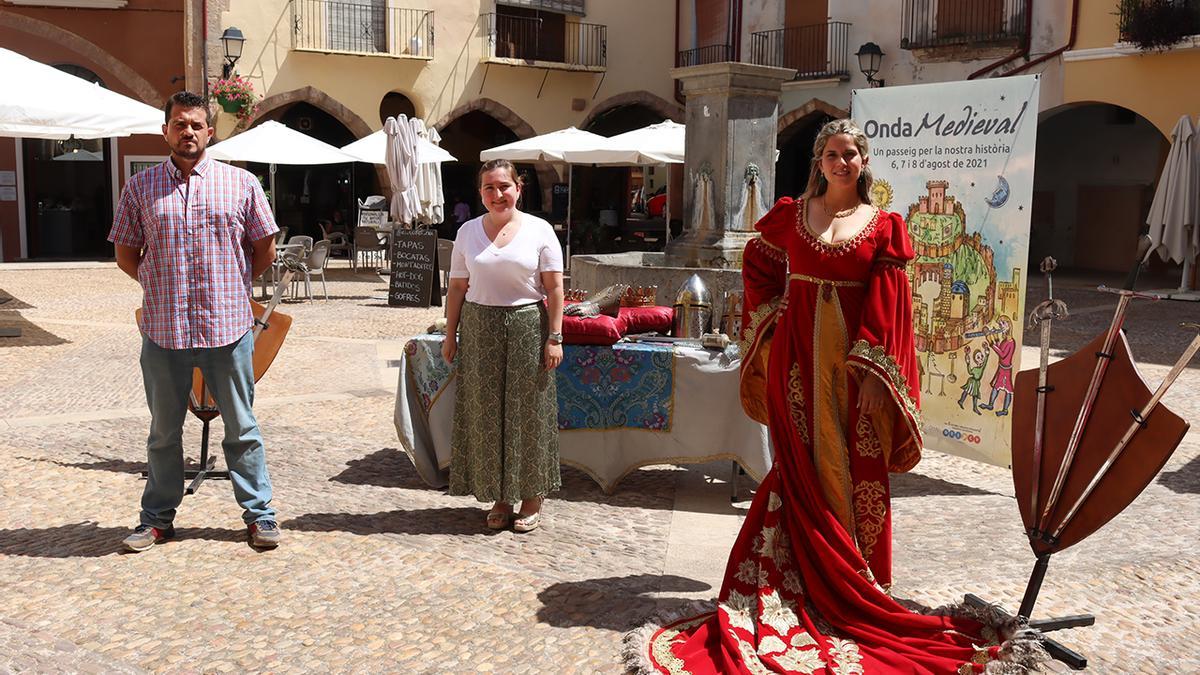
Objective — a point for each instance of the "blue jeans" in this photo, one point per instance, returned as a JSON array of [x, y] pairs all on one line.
[[229, 374]]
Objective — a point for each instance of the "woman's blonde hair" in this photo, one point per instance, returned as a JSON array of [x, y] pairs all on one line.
[[817, 185]]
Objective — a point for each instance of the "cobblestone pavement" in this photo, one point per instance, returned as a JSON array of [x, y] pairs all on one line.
[[380, 573]]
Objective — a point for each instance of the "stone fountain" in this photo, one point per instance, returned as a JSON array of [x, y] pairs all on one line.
[[729, 183]]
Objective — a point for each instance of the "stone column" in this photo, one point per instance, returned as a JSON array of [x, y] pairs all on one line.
[[729, 165]]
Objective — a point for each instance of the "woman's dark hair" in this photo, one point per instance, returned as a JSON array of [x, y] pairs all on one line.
[[186, 100], [492, 165]]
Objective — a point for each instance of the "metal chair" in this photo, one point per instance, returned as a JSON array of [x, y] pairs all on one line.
[[304, 240], [445, 251], [314, 265], [366, 241], [338, 241]]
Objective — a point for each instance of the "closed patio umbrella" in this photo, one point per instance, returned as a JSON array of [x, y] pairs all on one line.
[[1173, 213], [401, 163], [40, 101], [429, 176]]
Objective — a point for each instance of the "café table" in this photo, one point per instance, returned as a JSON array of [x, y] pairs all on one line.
[[619, 408]]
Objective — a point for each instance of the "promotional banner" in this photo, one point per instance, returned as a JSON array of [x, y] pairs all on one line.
[[955, 160]]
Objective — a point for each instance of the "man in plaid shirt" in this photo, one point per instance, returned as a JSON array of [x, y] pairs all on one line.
[[194, 233]]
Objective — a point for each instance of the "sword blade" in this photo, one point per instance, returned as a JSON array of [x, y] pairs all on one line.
[[1085, 411], [1039, 428]]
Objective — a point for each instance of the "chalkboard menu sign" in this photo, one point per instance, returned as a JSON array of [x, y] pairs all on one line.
[[414, 269]]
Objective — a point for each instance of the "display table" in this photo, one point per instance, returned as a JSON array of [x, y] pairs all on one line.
[[620, 408]]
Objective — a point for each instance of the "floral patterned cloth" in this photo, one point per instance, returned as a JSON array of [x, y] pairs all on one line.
[[624, 386]]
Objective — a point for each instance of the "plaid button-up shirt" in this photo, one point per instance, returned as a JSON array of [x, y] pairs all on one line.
[[196, 234]]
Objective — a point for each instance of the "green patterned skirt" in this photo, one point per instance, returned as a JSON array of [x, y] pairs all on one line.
[[504, 446]]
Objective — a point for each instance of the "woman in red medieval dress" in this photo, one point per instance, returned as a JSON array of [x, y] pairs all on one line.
[[830, 367]]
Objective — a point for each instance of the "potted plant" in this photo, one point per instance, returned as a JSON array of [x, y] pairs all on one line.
[[236, 95], [1158, 24]]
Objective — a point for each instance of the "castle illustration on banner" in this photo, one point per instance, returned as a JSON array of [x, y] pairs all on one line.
[[962, 309]]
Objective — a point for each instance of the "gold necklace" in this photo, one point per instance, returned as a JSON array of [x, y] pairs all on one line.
[[838, 214]]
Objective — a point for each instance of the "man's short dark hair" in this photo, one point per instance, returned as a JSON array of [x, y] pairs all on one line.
[[186, 100]]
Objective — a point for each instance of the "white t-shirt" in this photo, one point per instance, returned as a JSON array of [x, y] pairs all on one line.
[[510, 275]]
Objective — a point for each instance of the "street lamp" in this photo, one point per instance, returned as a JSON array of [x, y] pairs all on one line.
[[232, 40], [869, 58]]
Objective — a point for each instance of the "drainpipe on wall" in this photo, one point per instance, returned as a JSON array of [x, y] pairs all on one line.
[[678, 85], [204, 49], [1023, 50], [736, 7], [1070, 43]]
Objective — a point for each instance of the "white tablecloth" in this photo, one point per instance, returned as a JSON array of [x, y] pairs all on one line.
[[707, 424]]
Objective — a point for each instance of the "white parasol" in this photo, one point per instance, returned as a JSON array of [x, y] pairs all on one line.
[[551, 147], [40, 101], [273, 143], [372, 149]]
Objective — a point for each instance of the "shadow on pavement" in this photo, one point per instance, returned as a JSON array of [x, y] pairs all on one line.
[[103, 464], [616, 603], [445, 520], [31, 335], [644, 488], [388, 467], [89, 540], [8, 301], [917, 485], [1185, 480]]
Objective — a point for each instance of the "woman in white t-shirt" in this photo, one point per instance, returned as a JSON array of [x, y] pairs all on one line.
[[505, 303]]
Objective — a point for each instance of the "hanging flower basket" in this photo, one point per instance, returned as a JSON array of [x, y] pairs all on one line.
[[236, 95]]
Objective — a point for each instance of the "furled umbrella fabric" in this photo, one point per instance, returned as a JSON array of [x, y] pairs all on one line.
[[428, 180], [40, 101], [1173, 213], [402, 169]]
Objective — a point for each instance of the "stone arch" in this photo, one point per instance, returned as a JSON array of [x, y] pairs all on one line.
[[320, 99], [668, 110], [126, 75], [815, 105], [547, 174]]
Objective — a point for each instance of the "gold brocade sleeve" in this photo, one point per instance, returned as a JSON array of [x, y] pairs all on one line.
[[756, 352], [764, 278]]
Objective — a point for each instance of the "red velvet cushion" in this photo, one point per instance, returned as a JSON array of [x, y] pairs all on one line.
[[652, 319], [597, 330]]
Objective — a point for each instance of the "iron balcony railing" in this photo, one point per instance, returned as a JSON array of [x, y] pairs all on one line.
[[362, 27], [938, 23], [816, 52], [703, 55], [527, 39], [567, 6]]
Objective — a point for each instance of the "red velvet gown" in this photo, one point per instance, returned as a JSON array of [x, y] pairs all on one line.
[[805, 589]]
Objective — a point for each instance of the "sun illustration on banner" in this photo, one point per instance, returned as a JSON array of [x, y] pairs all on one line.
[[881, 193]]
